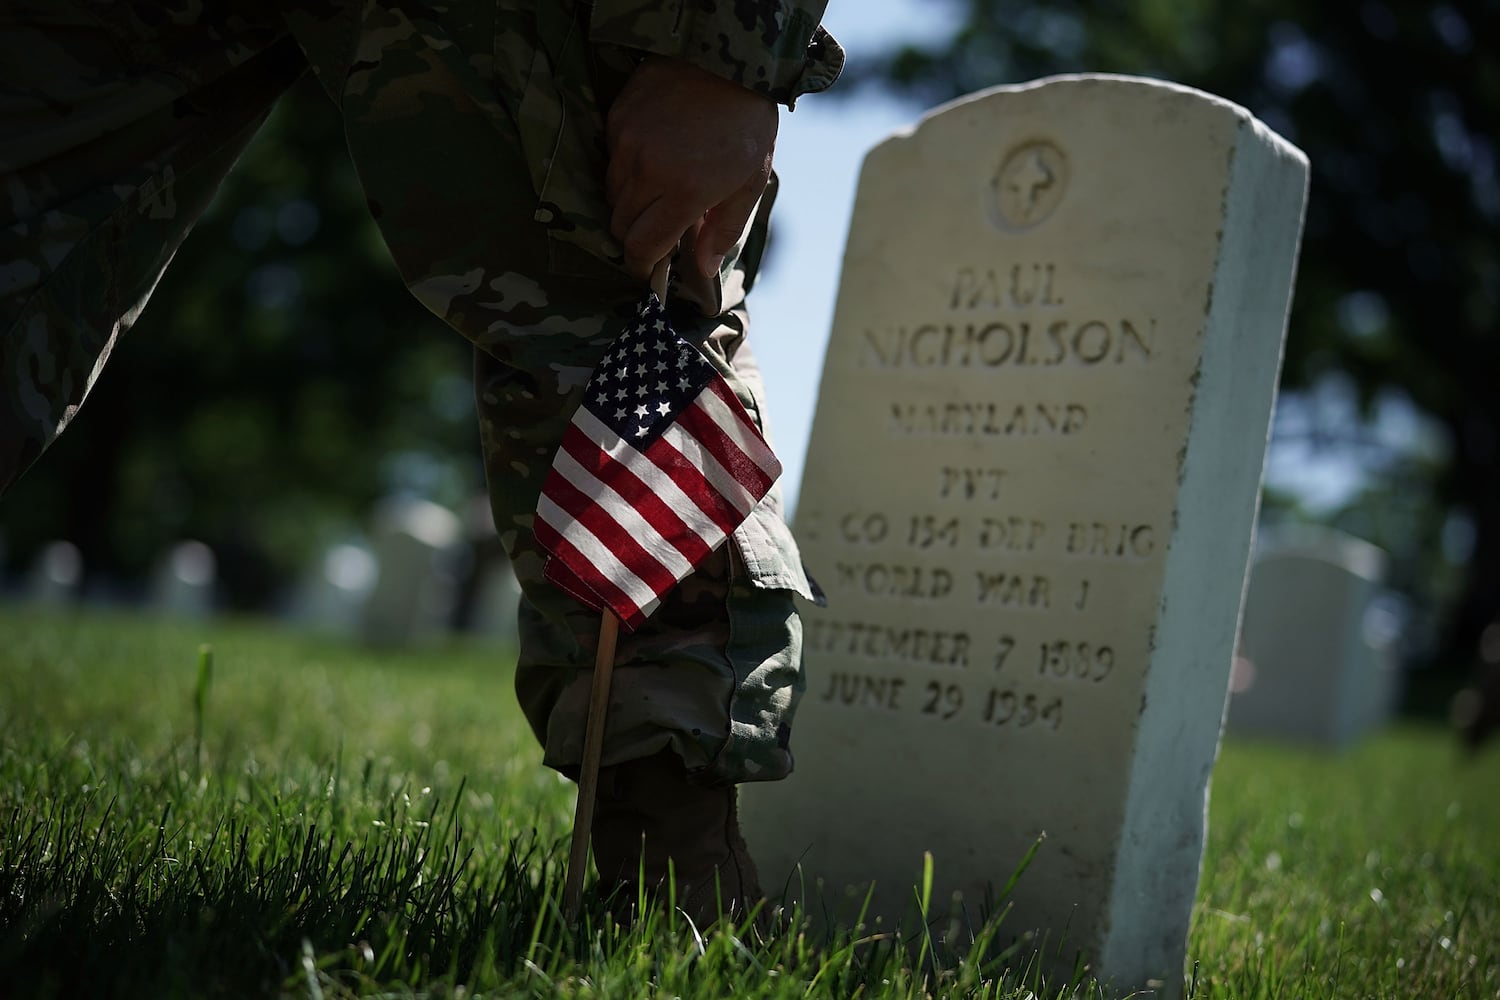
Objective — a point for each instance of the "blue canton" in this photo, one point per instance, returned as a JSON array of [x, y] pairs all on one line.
[[649, 376]]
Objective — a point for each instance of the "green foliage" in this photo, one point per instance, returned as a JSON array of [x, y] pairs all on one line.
[[279, 382], [381, 825], [1399, 278]]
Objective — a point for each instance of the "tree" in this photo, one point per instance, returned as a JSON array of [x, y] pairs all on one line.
[[1396, 105], [279, 381]]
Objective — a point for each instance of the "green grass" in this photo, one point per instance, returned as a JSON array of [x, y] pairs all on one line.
[[359, 824]]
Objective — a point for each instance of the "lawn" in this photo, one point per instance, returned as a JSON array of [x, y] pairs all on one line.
[[305, 818]]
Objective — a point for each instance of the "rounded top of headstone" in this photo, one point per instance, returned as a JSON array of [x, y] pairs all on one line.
[[350, 567], [61, 562], [1076, 86], [1102, 82], [1030, 158], [1309, 541], [192, 562], [429, 523]]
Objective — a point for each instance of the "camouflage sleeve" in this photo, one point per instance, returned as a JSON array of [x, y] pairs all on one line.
[[775, 47]]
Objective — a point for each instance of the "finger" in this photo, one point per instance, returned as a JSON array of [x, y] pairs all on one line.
[[654, 234], [723, 225], [614, 178], [633, 199], [635, 191], [623, 163]]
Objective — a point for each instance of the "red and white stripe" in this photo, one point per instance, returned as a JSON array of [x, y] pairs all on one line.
[[625, 526]]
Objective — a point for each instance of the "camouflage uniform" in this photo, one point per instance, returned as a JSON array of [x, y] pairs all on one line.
[[477, 133]]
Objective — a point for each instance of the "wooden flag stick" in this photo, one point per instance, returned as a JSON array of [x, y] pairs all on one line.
[[588, 777], [659, 275], [593, 740]]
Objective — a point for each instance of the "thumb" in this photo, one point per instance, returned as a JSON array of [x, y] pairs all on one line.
[[723, 224]]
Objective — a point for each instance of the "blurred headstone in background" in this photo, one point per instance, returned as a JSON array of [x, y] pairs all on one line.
[[1318, 648], [496, 602], [416, 544], [183, 582], [488, 592], [331, 596], [56, 576]]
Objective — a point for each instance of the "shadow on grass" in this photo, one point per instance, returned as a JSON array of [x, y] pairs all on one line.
[[230, 888], [94, 900]]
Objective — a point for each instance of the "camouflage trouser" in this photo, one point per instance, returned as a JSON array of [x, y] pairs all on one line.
[[116, 130]]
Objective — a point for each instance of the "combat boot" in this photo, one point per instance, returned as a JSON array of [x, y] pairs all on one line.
[[648, 813]]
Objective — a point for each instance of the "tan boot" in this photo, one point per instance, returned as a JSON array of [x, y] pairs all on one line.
[[649, 812]]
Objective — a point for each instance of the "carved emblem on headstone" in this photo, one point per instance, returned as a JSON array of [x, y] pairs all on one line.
[[1029, 185]]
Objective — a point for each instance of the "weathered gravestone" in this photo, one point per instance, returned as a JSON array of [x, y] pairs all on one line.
[[414, 543], [333, 591], [56, 575], [1317, 655], [182, 583], [488, 594], [1032, 481]]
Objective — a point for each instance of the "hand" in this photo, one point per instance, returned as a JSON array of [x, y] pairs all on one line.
[[687, 149]]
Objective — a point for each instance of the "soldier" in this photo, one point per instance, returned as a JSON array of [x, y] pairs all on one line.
[[528, 162]]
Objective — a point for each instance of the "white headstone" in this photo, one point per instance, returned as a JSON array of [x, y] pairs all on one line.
[[183, 581], [497, 604], [56, 576], [414, 542], [1032, 482], [496, 594], [331, 595], [1317, 653]]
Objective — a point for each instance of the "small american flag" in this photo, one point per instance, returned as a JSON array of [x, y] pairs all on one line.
[[659, 465]]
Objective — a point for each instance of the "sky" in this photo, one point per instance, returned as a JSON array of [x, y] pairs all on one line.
[[818, 155]]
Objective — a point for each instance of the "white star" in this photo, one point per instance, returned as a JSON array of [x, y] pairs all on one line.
[[682, 361], [640, 348], [641, 411], [640, 432], [641, 390], [620, 413], [640, 370], [664, 409], [621, 394], [661, 387], [622, 373], [603, 375], [683, 383], [661, 325], [603, 398], [661, 345], [661, 366]]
